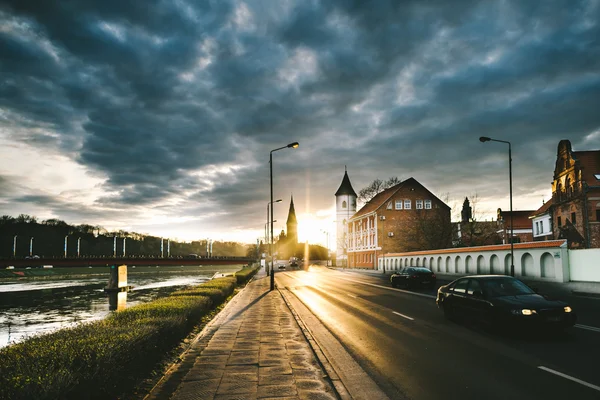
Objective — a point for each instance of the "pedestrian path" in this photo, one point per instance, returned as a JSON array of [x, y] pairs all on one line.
[[254, 349]]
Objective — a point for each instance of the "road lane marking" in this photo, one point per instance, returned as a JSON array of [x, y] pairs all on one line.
[[403, 316], [390, 288], [589, 328], [584, 383]]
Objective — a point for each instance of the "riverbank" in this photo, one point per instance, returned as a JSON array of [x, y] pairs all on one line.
[[107, 358]]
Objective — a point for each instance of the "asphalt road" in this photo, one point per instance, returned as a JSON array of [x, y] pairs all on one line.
[[404, 343]]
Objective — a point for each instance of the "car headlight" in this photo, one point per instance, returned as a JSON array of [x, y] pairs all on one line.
[[524, 311], [568, 309]]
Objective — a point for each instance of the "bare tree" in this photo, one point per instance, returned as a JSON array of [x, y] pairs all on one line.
[[474, 231], [376, 187]]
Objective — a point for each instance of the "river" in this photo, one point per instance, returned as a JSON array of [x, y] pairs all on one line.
[[32, 306]]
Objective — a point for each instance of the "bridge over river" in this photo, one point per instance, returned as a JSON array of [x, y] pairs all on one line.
[[130, 261]]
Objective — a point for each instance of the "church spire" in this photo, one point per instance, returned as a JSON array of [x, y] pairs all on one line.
[[346, 186], [292, 224]]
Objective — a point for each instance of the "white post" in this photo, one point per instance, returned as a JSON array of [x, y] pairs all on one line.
[[124, 241], [168, 247], [31, 246], [15, 246], [78, 246], [115, 246], [66, 242]]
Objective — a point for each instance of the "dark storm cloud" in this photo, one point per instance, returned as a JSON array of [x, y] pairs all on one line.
[[148, 94]]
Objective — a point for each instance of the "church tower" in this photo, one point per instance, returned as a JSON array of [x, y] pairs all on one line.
[[292, 227], [345, 207]]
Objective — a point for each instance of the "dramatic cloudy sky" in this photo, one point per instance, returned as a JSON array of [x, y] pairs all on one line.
[[158, 116]]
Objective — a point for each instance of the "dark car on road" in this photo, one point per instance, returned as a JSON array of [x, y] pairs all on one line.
[[413, 277], [500, 301]]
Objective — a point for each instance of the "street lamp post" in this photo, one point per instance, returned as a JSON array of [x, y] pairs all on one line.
[[382, 218], [327, 234], [293, 145], [512, 250], [269, 237]]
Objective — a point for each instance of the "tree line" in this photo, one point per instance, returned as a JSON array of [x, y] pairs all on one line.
[[95, 241]]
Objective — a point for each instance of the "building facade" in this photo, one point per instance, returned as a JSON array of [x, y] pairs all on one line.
[[541, 222], [405, 217], [576, 197]]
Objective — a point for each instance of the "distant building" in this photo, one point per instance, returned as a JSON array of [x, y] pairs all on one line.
[[345, 207], [405, 217], [287, 244], [541, 221], [470, 232], [522, 231], [575, 209]]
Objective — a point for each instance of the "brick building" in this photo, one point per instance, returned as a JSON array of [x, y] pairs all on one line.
[[522, 231], [575, 211], [405, 217]]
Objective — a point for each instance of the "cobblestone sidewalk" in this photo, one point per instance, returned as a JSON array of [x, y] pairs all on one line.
[[254, 350]]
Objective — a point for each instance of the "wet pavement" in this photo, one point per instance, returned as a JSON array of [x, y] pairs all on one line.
[[253, 349]]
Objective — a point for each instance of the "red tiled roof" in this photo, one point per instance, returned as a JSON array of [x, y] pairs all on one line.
[[543, 209], [381, 198], [517, 246], [378, 200], [590, 164], [520, 219]]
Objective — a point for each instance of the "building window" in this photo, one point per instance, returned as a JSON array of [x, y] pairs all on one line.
[[428, 204], [559, 221], [573, 218], [343, 204], [419, 204], [537, 228], [389, 205], [407, 205], [541, 226], [598, 214], [398, 204]]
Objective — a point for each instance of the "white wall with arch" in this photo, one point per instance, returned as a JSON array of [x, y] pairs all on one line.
[[549, 263]]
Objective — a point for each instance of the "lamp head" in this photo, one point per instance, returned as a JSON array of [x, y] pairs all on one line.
[[293, 145], [483, 139], [278, 201]]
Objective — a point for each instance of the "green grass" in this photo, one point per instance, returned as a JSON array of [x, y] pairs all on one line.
[[104, 359]]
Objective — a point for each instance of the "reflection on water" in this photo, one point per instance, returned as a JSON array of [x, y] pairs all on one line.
[[32, 307], [117, 301]]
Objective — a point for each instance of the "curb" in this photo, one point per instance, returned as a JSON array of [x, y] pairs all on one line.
[[337, 384]]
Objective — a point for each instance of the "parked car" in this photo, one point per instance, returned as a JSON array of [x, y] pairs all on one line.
[[413, 277], [281, 266], [502, 301]]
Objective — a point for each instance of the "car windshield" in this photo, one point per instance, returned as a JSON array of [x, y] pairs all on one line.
[[505, 287]]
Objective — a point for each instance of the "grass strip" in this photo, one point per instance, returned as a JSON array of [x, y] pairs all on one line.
[[104, 359]]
